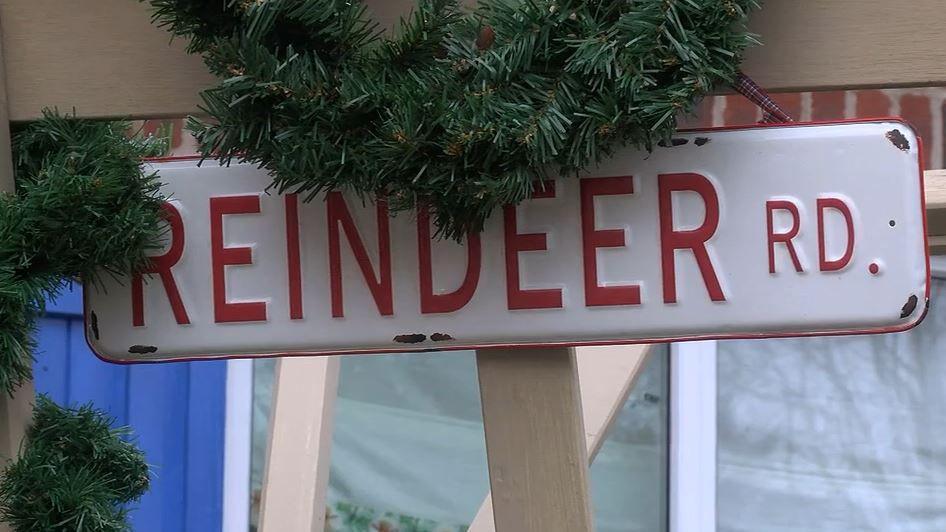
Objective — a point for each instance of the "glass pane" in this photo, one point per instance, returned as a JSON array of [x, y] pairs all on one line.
[[834, 433], [409, 454], [408, 450], [629, 475], [263, 378]]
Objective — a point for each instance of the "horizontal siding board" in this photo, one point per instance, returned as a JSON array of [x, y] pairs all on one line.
[[809, 45]]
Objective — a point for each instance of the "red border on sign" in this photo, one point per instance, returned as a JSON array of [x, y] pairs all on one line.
[[733, 336]]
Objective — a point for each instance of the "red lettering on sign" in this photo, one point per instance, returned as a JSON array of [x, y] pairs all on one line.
[[221, 257], [516, 297], [592, 239], [838, 205], [380, 286], [783, 238], [162, 265], [293, 257], [695, 240], [431, 303]]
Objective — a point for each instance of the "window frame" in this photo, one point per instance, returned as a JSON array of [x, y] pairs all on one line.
[[238, 445], [693, 437]]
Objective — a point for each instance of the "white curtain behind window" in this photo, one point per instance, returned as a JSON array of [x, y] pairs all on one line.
[[835, 434], [409, 449]]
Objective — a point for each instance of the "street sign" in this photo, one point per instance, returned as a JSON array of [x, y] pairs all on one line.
[[807, 229]]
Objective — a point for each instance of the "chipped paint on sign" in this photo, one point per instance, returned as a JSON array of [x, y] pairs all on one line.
[[897, 138]]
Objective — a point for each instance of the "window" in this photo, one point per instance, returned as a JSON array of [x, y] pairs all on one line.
[[408, 446], [835, 433]]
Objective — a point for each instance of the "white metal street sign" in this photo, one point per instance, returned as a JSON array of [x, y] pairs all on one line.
[[755, 232]]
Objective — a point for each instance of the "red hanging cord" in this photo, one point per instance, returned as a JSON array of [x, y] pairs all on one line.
[[771, 112]]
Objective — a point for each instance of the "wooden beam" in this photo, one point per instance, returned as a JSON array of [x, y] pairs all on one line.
[[16, 411], [935, 184], [104, 58], [535, 440], [848, 44], [295, 483], [6, 148], [606, 376], [938, 245]]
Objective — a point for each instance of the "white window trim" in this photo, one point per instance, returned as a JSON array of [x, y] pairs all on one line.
[[692, 475], [693, 442], [237, 446]]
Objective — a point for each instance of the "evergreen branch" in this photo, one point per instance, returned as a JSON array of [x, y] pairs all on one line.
[[459, 111], [83, 206], [74, 472]]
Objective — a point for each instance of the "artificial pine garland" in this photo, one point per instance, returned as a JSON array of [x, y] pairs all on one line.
[[75, 473], [83, 207], [460, 111]]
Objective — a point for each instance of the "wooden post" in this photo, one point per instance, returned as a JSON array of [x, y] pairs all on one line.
[[935, 184], [15, 411], [606, 376], [6, 153], [15, 415], [297, 467], [535, 440]]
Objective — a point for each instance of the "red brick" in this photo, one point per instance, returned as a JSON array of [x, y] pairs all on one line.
[[740, 111], [915, 109], [873, 104], [827, 105]]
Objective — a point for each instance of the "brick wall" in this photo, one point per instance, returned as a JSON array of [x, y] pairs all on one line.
[[923, 108]]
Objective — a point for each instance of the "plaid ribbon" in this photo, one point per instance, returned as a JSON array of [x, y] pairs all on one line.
[[771, 112]]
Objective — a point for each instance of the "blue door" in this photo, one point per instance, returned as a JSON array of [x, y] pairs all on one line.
[[177, 412]]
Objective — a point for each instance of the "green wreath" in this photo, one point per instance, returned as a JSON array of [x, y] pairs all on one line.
[[460, 111]]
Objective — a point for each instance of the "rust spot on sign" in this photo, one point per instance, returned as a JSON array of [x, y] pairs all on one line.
[[909, 307], [94, 324], [673, 143], [702, 141], [898, 140], [441, 337], [410, 338], [142, 349]]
